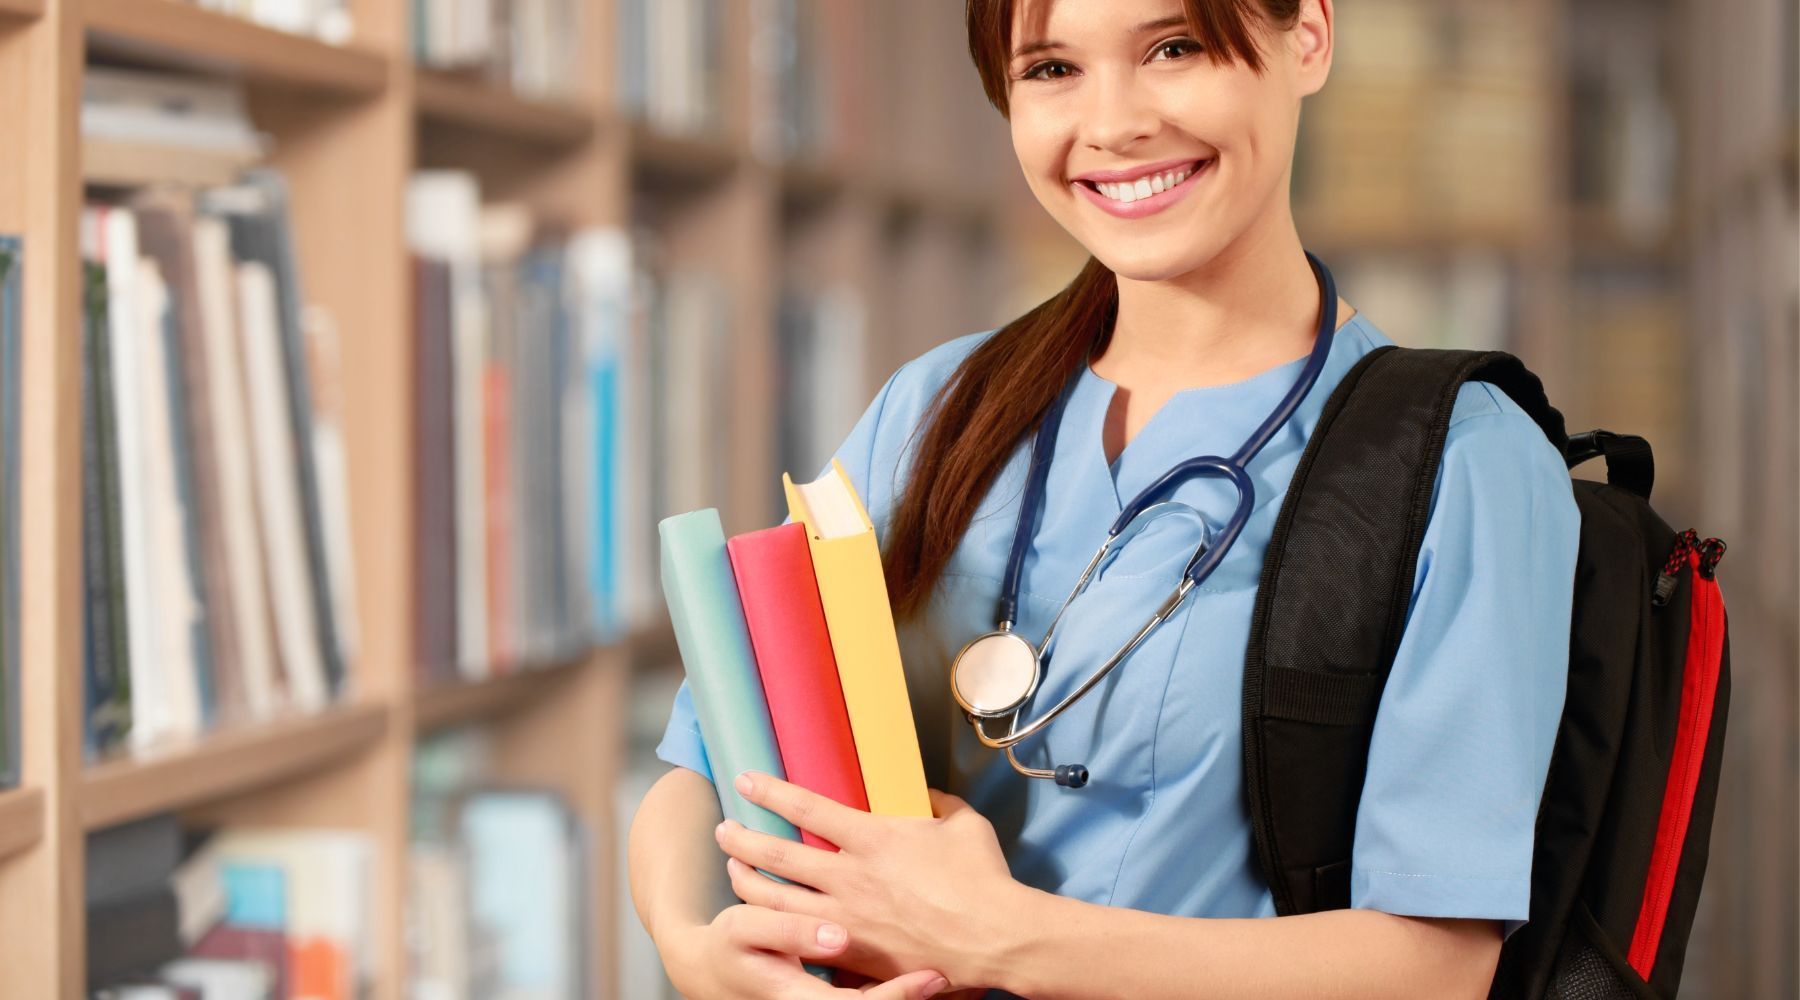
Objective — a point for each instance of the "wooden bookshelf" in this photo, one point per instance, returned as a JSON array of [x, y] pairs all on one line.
[[440, 706], [348, 125], [448, 99], [176, 33], [226, 763], [21, 820]]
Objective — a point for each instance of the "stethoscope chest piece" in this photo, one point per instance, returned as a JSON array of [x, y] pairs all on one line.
[[994, 673]]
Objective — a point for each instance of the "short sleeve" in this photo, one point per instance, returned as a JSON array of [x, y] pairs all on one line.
[[681, 743], [1468, 718]]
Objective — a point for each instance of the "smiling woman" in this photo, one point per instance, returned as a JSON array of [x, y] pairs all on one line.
[[1160, 134]]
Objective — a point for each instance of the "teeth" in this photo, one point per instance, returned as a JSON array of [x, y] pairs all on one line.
[[1127, 192]]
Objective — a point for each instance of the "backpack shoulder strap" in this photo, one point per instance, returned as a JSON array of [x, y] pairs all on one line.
[[1336, 584]]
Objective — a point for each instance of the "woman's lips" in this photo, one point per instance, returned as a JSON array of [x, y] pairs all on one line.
[[1144, 206]]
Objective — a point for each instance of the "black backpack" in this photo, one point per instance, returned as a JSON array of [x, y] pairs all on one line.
[[1627, 808]]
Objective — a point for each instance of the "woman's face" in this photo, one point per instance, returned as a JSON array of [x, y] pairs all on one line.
[[1149, 153]]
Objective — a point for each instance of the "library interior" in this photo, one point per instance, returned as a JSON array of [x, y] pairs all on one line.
[[333, 651]]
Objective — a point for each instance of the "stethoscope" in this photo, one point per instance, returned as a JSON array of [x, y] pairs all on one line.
[[997, 672]]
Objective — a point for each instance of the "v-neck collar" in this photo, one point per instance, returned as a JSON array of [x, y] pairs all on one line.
[[1219, 417]]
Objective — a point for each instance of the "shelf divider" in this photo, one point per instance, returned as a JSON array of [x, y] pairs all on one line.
[[21, 819]]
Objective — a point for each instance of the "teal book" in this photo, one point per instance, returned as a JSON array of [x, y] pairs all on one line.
[[715, 648]]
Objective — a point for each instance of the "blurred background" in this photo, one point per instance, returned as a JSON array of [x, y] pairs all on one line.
[[370, 338]]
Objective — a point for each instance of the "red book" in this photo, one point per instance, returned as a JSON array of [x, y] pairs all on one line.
[[775, 581]]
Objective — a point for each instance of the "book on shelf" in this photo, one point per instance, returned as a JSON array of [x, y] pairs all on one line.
[[820, 388], [792, 50], [524, 45], [498, 877], [233, 913], [12, 264], [670, 63], [522, 421], [140, 127], [216, 552], [329, 21]]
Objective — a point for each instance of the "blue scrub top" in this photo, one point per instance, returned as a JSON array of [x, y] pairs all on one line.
[[1466, 723]]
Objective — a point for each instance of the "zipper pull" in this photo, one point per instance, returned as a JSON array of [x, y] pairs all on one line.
[[1711, 551], [1669, 578]]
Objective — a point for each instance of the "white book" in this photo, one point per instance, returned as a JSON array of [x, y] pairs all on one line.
[[331, 461], [328, 875], [278, 490], [137, 106], [439, 923], [115, 233], [221, 979], [443, 213], [177, 605], [216, 284]]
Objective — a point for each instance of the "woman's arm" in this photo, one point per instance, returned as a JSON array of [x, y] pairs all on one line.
[[672, 829], [1066, 948]]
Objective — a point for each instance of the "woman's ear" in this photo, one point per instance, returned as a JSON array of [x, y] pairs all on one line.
[[1312, 37]]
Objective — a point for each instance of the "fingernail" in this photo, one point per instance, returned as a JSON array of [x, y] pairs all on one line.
[[831, 935], [719, 831], [744, 784], [935, 987]]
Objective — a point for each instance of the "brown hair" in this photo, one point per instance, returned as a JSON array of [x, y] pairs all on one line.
[[1001, 390]]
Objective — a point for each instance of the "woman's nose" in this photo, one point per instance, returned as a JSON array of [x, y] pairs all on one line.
[[1117, 113]]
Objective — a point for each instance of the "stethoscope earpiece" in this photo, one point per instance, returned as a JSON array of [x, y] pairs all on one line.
[[1071, 775]]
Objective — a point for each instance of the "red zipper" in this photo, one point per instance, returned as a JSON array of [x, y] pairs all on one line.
[[1699, 683]]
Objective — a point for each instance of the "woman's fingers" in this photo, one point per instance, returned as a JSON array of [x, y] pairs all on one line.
[[912, 986], [758, 889], [793, 934], [790, 859]]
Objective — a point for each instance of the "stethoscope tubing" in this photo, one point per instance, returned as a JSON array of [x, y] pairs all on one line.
[[1205, 559]]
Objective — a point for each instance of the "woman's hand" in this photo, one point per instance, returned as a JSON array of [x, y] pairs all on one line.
[[752, 953], [913, 893]]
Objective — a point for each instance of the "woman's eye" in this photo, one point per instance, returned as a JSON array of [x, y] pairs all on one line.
[[1049, 69], [1175, 48]]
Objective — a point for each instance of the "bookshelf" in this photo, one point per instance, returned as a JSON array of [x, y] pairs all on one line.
[[899, 204]]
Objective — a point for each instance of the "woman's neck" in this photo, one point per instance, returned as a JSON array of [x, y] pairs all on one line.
[[1253, 307]]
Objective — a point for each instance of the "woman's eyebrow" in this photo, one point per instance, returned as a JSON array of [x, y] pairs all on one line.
[[1045, 44]]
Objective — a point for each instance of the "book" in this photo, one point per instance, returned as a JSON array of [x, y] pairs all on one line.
[[714, 641], [775, 581], [256, 214], [164, 236], [527, 875], [325, 904], [216, 291], [11, 285], [434, 456], [278, 492], [846, 560], [443, 219]]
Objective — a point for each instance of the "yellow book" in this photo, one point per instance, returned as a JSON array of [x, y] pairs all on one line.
[[847, 561]]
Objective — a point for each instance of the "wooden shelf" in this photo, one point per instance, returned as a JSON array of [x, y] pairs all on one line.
[[680, 157], [180, 34], [21, 9], [225, 763], [443, 705], [449, 99], [21, 819]]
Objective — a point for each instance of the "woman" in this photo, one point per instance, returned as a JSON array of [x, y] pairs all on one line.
[[1160, 134]]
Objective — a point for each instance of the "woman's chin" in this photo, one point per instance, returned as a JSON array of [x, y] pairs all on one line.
[[1144, 264]]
